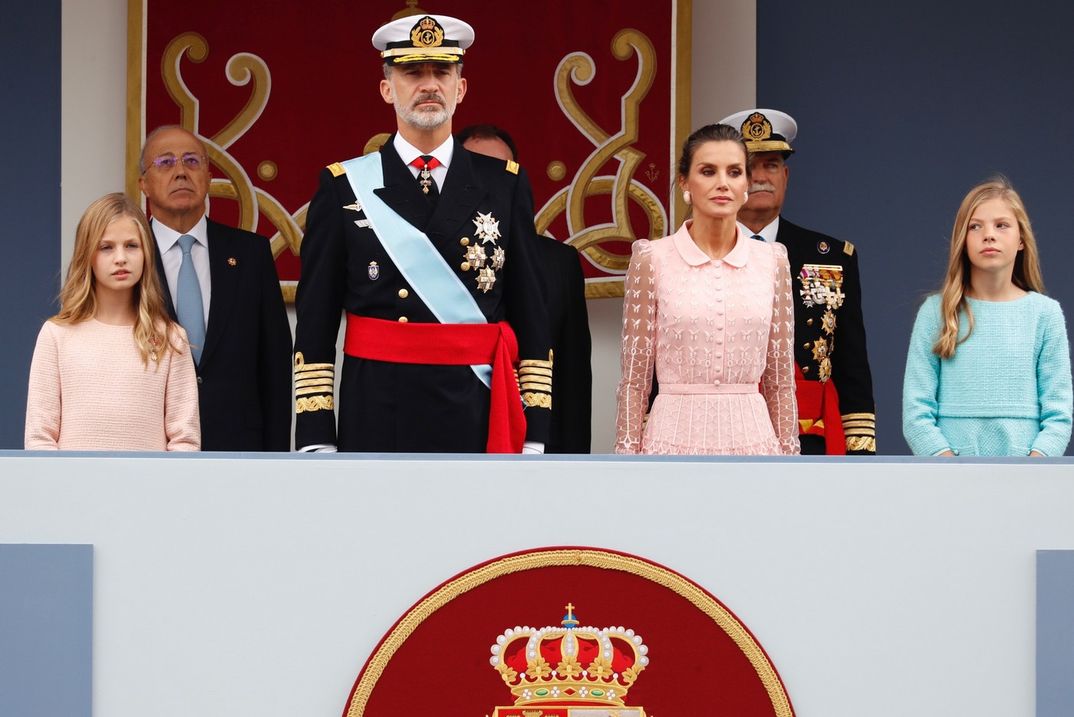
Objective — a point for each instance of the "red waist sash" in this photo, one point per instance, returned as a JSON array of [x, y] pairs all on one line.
[[818, 412], [452, 345]]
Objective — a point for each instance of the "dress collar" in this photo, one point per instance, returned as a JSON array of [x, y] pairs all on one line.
[[692, 254]]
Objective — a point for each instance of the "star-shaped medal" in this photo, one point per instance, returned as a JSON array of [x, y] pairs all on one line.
[[499, 256], [486, 277], [475, 255], [487, 228]]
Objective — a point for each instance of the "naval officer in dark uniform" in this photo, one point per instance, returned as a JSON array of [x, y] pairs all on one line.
[[834, 386], [423, 247]]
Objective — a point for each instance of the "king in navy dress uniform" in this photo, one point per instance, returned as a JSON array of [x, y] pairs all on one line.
[[833, 384], [424, 248]]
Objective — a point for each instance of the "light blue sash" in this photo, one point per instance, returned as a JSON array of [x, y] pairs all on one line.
[[413, 254]]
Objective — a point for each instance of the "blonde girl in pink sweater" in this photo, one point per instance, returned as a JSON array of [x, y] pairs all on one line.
[[112, 371]]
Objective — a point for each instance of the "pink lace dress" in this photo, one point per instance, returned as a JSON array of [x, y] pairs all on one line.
[[720, 334]]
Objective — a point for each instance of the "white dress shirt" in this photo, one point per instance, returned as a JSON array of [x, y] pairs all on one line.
[[768, 233], [171, 255], [408, 153]]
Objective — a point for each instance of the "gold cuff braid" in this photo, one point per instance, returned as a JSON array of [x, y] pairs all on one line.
[[861, 443], [537, 400], [314, 403]]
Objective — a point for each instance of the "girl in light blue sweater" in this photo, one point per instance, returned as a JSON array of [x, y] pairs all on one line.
[[988, 369]]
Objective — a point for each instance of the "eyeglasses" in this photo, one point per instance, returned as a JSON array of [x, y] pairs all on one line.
[[167, 162]]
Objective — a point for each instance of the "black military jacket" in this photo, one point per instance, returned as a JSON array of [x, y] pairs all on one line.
[[829, 330], [387, 406]]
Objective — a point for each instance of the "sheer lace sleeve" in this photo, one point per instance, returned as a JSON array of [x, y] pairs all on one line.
[[638, 351], [777, 382]]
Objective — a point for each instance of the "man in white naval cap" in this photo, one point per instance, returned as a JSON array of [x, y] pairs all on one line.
[[423, 246], [833, 383]]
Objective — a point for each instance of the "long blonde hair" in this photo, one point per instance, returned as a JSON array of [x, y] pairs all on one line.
[[1026, 275], [154, 331]]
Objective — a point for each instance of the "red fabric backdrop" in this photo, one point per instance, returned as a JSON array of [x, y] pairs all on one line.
[[320, 103]]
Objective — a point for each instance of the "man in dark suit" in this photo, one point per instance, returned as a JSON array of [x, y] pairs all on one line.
[[426, 247], [834, 385], [221, 285], [561, 273]]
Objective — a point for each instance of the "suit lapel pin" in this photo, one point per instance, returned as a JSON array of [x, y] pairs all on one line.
[[373, 271], [232, 261], [823, 247]]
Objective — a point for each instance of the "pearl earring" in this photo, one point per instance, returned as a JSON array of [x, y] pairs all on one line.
[[686, 195]]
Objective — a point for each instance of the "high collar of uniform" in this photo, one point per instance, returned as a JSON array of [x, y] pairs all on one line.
[[692, 254], [408, 152]]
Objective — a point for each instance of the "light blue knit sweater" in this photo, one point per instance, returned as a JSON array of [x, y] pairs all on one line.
[[1005, 392]]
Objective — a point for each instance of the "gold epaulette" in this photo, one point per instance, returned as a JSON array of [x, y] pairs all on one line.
[[860, 431], [535, 382], [314, 385], [512, 166], [848, 248], [336, 169]]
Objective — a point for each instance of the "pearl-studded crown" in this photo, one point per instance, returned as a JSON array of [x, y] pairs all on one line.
[[568, 663]]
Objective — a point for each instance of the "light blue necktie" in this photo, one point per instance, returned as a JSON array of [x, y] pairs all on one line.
[[190, 308]]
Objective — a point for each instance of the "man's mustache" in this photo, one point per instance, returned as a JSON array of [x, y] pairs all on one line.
[[429, 97], [762, 187]]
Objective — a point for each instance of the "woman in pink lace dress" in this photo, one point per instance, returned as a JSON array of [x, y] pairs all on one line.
[[711, 310]]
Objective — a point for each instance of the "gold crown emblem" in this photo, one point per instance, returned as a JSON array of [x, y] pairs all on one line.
[[427, 32], [756, 127], [569, 663]]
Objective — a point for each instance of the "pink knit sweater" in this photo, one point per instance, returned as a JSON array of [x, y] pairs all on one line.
[[90, 391]]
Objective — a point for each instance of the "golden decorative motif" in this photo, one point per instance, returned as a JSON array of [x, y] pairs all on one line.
[[314, 403], [539, 669], [757, 127], [512, 166], [268, 170], [336, 169], [853, 416], [848, 248], [427, 32], [578, 68], [824, 371], [705, 603], [537, 400], [569, 667], [861, 443], [827, 322], [556, 170], [820, 350]]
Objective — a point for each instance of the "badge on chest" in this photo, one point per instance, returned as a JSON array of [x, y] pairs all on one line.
[[821, 285]]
